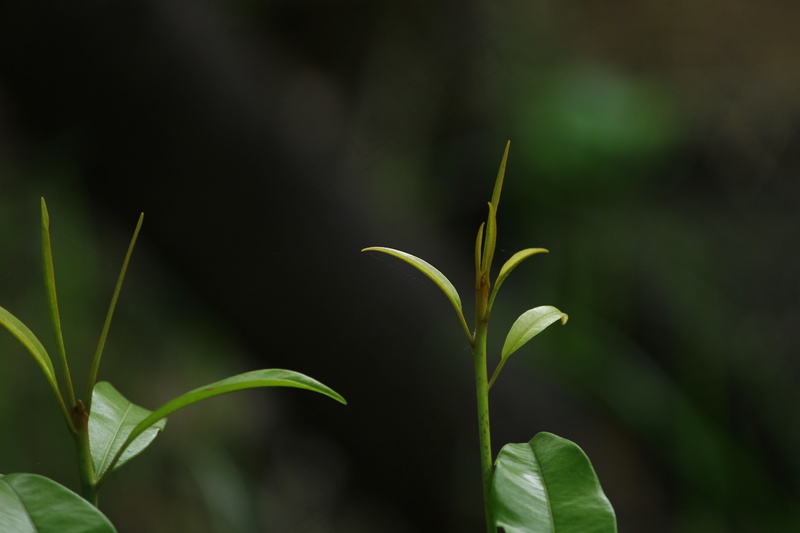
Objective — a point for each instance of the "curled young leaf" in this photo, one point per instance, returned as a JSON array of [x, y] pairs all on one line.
[[510, 265], [491, 240], [478, 246], [528, 325], [548, 484], [434, 274]]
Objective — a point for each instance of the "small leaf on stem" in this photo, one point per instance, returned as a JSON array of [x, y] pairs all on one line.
[[31, 343], [437, 277], [510, 265], [530, 324]]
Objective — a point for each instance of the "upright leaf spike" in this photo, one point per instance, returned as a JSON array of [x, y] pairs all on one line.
[[501, 173], [52, 300], [107, 324]]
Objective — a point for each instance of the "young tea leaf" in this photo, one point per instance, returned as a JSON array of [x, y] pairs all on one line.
[[528, 325], [30, 503], [111, 422], [437, 277], [257, 378], [549, 485], [52, 299], [26, 337], [501, 172], [510, 265], [110, 314]]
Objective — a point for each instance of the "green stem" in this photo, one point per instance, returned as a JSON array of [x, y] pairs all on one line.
[[482, 393], [80, 419]]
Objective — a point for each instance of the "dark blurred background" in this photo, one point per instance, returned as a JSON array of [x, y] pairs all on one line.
[[654, 152]]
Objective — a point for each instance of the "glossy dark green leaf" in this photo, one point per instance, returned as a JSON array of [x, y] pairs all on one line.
[[111, 422], [258, 378], [510, 265], [30, 503], [549, 485], [530, 324], [434, 274]]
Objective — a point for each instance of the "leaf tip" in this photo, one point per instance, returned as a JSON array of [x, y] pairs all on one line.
[[564, 319]]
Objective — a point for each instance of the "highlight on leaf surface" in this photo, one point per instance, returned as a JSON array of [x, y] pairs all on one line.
[[549, 484], [530, 324]]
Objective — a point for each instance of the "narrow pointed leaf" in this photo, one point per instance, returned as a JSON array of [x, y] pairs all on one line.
[[549, 485], [510, 265], [111, 422], [257, 378], [498, 184], [530, 324], [30, 503], [437, 277], [26, 337], [110, 313], [52, 299]]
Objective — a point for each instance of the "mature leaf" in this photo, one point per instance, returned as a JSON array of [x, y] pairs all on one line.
[[530, 324], [111, 421], [257, 378], [26, 337], [549, 485], [510, 265], [429, 270], [30, 503]]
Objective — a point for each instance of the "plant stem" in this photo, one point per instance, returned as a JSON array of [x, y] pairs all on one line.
[[482, 393], [80, 419]]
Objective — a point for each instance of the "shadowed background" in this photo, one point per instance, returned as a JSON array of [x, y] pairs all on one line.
[[654, 152]]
